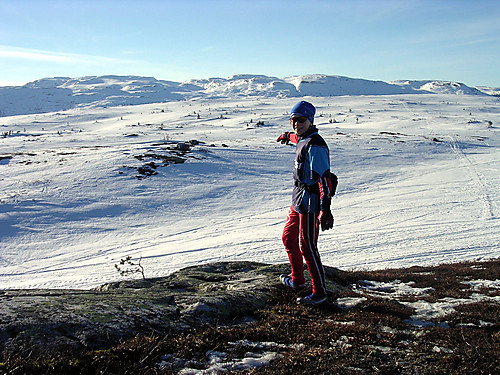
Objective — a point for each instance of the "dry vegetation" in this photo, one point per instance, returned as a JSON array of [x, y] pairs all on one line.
[[376, 336]]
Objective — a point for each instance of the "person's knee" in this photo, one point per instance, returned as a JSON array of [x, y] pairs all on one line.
[[289, 242], [286, 240]]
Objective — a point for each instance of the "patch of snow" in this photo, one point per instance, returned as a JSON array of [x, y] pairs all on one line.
[[478, 284], [392, 289], [426, 311], [260, 354], [342, 343], [347, 303]]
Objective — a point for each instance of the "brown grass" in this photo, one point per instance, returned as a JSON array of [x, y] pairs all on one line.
[[374, 337]]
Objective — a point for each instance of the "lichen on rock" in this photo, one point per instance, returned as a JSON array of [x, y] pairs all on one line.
[[213, 294]]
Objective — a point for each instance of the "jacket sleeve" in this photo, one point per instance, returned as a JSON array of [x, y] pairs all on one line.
[[320, 169], [294, 138], [326, 190]]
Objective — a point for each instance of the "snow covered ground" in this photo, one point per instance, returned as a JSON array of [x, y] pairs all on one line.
[[419, 183]]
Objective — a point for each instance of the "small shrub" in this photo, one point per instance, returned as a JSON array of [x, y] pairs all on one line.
[[129, 267]]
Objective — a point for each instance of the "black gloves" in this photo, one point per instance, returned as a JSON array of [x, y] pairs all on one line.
[[284, 138], [326, 220]]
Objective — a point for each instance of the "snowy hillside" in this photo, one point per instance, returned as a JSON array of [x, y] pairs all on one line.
[[61, 93], [495, 91], [441, 87], [202, 179], [58, 94]]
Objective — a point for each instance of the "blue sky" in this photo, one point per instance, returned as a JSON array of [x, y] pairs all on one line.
[[387, 40]]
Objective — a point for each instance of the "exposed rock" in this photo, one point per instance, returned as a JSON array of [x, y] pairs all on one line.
[[211, 294]]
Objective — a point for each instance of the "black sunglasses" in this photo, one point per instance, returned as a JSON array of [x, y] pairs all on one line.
[[301, 119]]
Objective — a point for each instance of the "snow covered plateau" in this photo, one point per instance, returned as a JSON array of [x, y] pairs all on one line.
[[96, 169]]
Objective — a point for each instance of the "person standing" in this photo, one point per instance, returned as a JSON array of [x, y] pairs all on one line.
[[311, 198]]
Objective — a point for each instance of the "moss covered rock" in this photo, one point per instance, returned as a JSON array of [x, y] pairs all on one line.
[[211, 294]]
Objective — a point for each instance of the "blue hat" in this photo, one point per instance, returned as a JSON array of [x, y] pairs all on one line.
[[305, 109]]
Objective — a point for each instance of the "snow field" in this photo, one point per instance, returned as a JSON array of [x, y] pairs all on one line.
[[418, 185]]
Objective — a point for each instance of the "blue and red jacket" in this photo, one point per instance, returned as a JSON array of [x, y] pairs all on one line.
[[313, 188]]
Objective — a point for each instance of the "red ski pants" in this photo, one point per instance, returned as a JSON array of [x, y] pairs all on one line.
[[300, 237]]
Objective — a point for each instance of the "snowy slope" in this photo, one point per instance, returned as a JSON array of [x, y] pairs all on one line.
[[441, 87], [57, 94], [323, 85], [495, 91], [246, 85], [419, 181]]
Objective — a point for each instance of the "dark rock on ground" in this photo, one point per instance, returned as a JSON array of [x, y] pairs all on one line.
[[212, 294]]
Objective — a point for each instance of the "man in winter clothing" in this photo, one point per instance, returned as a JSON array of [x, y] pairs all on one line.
[[314, 187]]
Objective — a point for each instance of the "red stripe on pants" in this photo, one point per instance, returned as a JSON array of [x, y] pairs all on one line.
[[300, 237]]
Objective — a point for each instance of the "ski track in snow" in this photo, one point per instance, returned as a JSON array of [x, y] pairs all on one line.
[[418, 185], [477, 178]]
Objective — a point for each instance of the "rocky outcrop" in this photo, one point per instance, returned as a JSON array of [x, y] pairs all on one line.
[[211, 294]]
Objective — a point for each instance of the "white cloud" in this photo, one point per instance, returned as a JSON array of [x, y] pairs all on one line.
[[56, 57], [26, 54]]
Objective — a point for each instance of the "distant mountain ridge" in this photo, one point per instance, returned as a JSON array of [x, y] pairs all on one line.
[[62, 93]]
